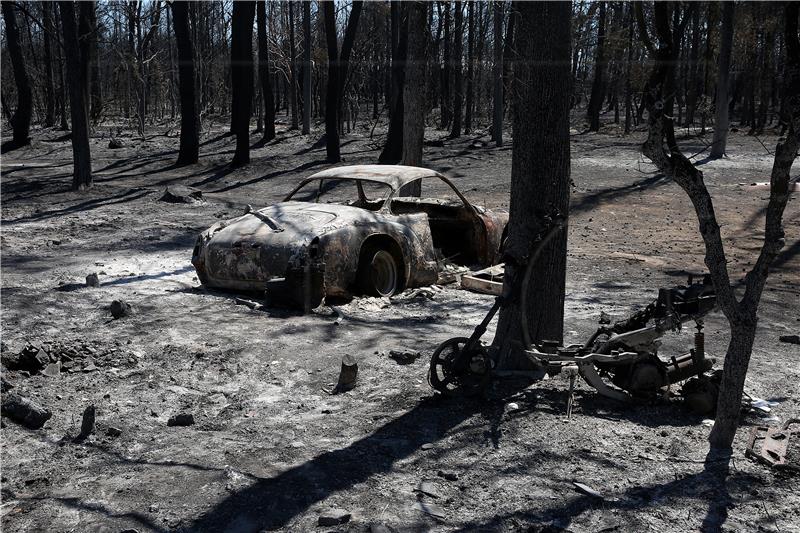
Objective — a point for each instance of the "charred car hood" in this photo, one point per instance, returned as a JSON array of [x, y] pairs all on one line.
[[260, 245]]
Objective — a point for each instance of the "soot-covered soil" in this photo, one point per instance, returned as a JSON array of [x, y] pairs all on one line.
[[270, 449]]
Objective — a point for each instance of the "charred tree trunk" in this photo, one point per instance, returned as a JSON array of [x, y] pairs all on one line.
[[306, 68], [263, 73], [723, 75], [77, 71], [447, 56], [49, 90], [242, 76], [292, 68], [497, 74], [596, 98], [468, 111], [458, 81], [694, 82], [413, 93], [393, 150], [337, 72], [21, 120], [540, 175], [628, 65], [190, 112]]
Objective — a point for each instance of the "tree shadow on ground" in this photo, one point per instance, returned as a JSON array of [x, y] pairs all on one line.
[[275, 174], [272, 502], [709, 486], [592, 200], [123, 197]]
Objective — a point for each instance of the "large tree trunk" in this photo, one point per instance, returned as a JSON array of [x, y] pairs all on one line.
[[49, 91], [21, 120], [190, 112], [306, 68], [723, 74], [77, 71], [242, 76], [413, 92], [598, 86], [497, 73], [263, 73], [458, 82], [470, 68], [540, 175]]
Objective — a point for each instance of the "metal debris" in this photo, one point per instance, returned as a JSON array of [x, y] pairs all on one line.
[[775, 446]]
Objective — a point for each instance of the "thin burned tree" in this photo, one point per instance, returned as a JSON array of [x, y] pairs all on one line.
[[470, 102], [723, 76], [306, 67], [21, 119], [242, 77], [458, 78], [292, 68], [49, 88], [497, 75], [190, 115], [393, 149], [337, 72], [77, 72], [598, 85], [540, 176], [741, 313], [263, 72]]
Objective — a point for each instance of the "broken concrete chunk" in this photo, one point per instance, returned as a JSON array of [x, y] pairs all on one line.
[[120, 308], [53, 370], [333, 517], [791, 339], [31, 359], [181, 419], [181, 195], [24, 411], [92, 280]]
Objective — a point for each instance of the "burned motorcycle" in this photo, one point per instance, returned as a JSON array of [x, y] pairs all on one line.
[[620, 361]]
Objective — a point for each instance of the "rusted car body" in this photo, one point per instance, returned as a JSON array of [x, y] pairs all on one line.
[[379, 245]]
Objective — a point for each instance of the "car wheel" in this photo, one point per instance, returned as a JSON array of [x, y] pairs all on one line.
[[379, 273]]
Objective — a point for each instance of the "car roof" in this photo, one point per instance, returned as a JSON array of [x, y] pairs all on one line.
[[395, 176]]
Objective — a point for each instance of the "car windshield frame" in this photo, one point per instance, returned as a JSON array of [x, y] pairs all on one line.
[[390, 192]]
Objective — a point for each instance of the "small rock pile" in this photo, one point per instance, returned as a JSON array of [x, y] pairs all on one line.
[[51, 358]]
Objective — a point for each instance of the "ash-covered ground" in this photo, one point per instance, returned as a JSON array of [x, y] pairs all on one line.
[[270, 449]]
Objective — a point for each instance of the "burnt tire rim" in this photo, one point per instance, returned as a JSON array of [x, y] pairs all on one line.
[[383, 273]]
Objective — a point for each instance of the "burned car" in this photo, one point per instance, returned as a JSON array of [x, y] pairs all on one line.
[[350, 230]]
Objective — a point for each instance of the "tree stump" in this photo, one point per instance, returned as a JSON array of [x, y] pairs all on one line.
[[347, 375]]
